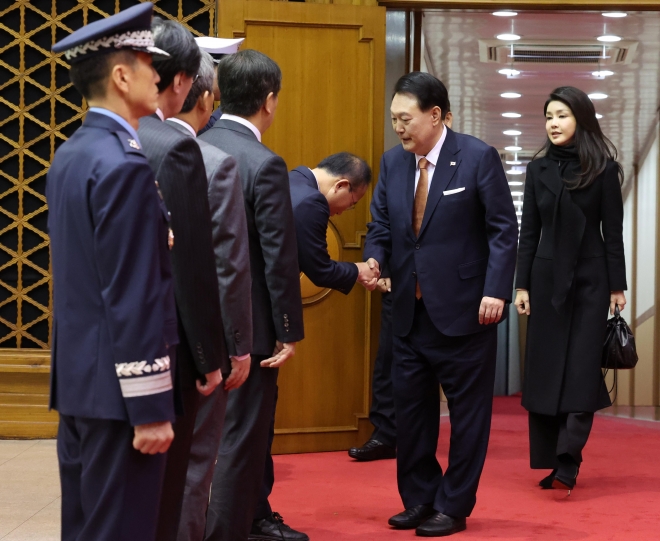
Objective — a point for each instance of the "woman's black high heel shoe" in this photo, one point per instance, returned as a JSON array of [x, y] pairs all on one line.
[[566, 476], [546, 482]]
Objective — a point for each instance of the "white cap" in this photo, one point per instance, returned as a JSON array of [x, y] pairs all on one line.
[[218, 45]]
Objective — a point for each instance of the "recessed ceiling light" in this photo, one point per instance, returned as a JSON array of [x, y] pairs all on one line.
[[513, 162], [510, 95], [597, 96], [602, 73], [509, 37], [514, 172], [511, 115], [599, 116], [515, 183], [509, 72], [608, 38], [517, 194], [615, 14], [517, 202], [505, 13], [513, 148], [512, 132]]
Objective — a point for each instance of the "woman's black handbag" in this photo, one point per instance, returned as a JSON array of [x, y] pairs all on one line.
[[619, 352]]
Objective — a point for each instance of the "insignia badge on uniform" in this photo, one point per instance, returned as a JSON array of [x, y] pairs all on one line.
[[133, 144]]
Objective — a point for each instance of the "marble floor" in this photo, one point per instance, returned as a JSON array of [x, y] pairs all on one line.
[[29, 491]]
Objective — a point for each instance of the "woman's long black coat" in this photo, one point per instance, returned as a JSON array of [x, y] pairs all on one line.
[[569, 270]]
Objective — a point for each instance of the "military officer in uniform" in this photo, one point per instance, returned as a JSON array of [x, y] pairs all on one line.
[[114, 321]]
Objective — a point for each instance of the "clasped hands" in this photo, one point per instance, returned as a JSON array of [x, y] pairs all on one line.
[[368, 273]]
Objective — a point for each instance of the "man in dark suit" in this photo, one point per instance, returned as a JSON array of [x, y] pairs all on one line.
[[249, 83], [179, 167], [335, 185], [443, 219], [114, 320], [232, 259], [382, 443]]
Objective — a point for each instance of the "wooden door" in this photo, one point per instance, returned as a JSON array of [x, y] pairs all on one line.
[[332, 59]]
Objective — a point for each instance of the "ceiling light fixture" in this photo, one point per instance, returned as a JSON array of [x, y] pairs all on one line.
[[514, 172], [513, 148], [615, 14], [515, 183], [599, 116], [512, 132], [513, 162], [608, 38], [510, 95], [517, 202], [505, 13], [509, 37], [602, 73], [511, 115], [597, 96], [517, 194], [509, 72]]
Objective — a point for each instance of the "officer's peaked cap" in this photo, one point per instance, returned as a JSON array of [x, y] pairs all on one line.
[[128, 29], [218, 47]]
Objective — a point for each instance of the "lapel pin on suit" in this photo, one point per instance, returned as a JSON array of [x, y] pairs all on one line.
[[451, 164]]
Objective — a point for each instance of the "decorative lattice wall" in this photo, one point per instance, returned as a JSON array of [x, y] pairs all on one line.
[[39, 109]]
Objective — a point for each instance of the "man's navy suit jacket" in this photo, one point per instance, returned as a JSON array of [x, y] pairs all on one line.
[[311, 214], [466, 248]]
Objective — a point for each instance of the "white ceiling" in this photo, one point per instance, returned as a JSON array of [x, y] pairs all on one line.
[[451, 53]]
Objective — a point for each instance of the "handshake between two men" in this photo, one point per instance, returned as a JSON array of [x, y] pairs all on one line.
[[368, 273]]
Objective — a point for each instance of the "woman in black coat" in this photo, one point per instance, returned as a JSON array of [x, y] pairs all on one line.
[[571, 267]]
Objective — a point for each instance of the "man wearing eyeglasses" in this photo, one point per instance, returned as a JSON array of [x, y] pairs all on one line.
[[178, 165]]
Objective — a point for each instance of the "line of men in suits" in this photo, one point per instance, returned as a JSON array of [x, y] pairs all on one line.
[[176, 285]]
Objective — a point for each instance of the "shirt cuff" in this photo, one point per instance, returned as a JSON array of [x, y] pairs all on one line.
[[241, 357]]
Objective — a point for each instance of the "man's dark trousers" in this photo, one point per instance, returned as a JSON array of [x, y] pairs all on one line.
[[382, 414], [465, 367], [117, 498]]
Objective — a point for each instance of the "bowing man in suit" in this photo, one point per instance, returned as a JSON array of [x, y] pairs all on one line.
[[179, 167], [249, 83], [232, 260], [114, 320], [443, 219]]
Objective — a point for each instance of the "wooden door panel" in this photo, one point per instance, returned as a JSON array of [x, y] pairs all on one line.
[[333, 64]]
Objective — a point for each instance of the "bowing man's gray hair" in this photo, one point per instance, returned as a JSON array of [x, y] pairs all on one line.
[[204, 82]]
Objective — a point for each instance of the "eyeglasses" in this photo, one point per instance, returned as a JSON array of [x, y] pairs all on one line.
[[353, 201], [195, 78]]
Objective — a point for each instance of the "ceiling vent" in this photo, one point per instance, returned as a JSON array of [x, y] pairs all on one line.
[[557, 52]]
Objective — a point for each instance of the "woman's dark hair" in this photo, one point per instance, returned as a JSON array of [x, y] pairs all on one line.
[[594, 149], [184, 53], [245, 79], [426, 89], [348, 166]]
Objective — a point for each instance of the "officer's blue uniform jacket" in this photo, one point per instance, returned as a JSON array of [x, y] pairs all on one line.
[[114, 314]]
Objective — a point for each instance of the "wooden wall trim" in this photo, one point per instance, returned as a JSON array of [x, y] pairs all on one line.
[[645, 316], [581, 5]]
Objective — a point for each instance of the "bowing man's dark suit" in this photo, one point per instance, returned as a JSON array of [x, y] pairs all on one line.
[[179, 168], [113, 320], [311, 214], [276, 315], [465, 250]]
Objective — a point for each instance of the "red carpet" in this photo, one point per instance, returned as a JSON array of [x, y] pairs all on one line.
[[332, 498]]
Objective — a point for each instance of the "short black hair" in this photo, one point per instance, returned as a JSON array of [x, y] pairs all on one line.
[[348, 166], [90, 76], [245, 79], [426, 89], [185, 55]]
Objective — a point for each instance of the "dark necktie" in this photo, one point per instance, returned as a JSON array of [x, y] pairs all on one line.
[[421, 195]]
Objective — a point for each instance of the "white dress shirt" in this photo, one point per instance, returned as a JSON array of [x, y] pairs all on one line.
[[184, 124], [432, 158], [245, 122], [160, 114]]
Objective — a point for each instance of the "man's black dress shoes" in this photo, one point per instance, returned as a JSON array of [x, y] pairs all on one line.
[[546, 482], [411, 518], [272, 528], [440, 525], [372, 450]]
